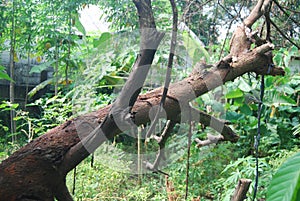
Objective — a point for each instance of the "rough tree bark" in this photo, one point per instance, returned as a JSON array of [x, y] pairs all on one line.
[[37, 171]]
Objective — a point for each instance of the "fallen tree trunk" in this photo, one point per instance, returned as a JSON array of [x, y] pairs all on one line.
[[37, 167], [37, 171]]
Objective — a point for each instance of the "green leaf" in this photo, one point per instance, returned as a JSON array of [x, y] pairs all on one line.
[[285, 100], [239, 101], [234, 94], [78, 24], [269, 82], [286, 182], [244, 86], [6, 105], [233, 116], [217, 106], [41, 67], [286, 89], [112, 80], [245, 109], [278, 58], [103, 38], [296, 129], [280, 100], [3, 74], [194, 45], [293, 50], [40, 86]]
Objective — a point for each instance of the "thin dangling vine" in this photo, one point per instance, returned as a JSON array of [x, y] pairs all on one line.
[[169, 70], [257, 137], [260, 105]]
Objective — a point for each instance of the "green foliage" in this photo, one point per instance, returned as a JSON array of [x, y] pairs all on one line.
[[39, 68], [194, 46], [202, 177], [54, 111], [285, 184], [122, 14], [242, 168], [3, 74], [106, 180], [5, 108], [279, 127]]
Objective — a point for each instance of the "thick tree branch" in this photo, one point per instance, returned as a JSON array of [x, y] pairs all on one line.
[[56, 146], [119, 116], [241, 38]]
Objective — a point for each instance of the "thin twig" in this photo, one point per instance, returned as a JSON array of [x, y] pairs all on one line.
[[161, 142], [227, 11], [211, 139], [286, 8], [283, 10]]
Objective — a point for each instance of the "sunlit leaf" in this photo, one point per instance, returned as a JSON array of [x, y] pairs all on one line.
[[16, 58], [285, 100], [39, 87], [41, 67], [113, 79], [38, 59], [103, 38], [234, 94], [194, 45], [244, 86], [78, 24]]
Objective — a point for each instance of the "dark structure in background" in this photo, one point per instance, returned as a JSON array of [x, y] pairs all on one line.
[[22, 78]]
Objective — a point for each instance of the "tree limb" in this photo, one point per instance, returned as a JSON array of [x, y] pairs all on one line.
[[119, 116], [257, 12], [161, 140], [216, 124], [241, 190]]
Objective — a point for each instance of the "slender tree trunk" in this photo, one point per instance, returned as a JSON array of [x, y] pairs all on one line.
[[69, 46], [12, 73], [56, 52], [28, 64]]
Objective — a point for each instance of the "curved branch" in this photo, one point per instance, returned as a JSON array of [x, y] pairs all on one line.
[[257, 12]]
